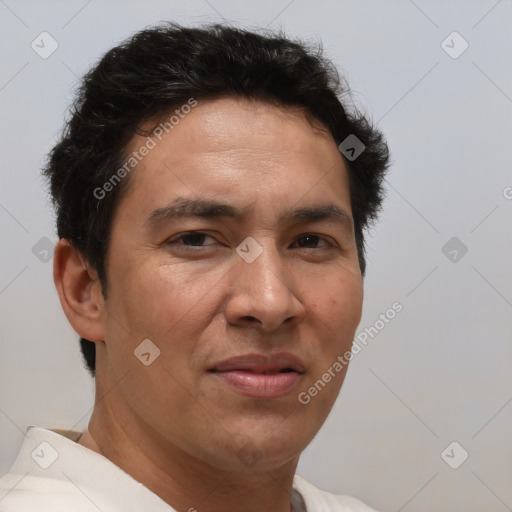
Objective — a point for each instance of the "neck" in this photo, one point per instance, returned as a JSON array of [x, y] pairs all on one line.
[[182, 480]]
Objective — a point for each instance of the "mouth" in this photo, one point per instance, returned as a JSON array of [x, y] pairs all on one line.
[[260, 376]]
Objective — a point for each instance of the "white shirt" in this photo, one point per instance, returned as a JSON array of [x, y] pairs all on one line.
[[53, 473]]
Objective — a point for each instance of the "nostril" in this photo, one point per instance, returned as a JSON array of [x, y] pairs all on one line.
[[250, 319]]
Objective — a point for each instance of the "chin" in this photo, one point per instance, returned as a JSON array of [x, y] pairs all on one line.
[[250, 459], [258, 452]]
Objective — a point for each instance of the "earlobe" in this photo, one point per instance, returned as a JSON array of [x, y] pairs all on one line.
[[79, 291]]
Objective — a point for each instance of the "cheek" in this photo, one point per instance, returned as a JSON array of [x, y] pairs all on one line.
[[340, 304], [168, 304], [162, 293]]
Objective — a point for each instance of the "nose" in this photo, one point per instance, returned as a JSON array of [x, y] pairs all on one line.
[[263, 293]]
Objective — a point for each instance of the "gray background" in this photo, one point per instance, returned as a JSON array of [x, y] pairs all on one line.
[[440, 371]]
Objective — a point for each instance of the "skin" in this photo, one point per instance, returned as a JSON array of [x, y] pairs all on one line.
[[173, 425]]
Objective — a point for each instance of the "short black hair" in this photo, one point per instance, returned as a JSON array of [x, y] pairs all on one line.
[[163, 67]]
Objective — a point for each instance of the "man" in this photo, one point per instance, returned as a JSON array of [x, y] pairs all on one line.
[[211, 195]]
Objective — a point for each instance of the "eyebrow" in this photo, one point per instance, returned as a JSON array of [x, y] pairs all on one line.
[[182, 207]]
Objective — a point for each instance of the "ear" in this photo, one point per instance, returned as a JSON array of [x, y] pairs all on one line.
[[79, 291]]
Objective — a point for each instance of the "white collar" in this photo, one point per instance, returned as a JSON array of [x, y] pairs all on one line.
[[66, 466]]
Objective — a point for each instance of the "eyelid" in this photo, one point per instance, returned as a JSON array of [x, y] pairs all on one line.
[[179, 236], [175, 238], [324, 238]]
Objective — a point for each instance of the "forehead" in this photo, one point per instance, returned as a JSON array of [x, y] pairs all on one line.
[[230, 123], [243, 148]]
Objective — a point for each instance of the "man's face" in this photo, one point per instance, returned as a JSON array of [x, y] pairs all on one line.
[[202, 302]]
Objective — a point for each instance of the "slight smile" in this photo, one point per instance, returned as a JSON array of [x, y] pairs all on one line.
[[261, 376]]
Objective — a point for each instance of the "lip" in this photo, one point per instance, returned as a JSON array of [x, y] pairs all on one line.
[[260, 376]]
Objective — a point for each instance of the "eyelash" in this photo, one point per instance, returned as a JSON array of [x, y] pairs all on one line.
[[195, 248]]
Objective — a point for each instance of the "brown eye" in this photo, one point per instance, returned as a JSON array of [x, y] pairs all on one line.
[[306, 241], [190, 239]]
